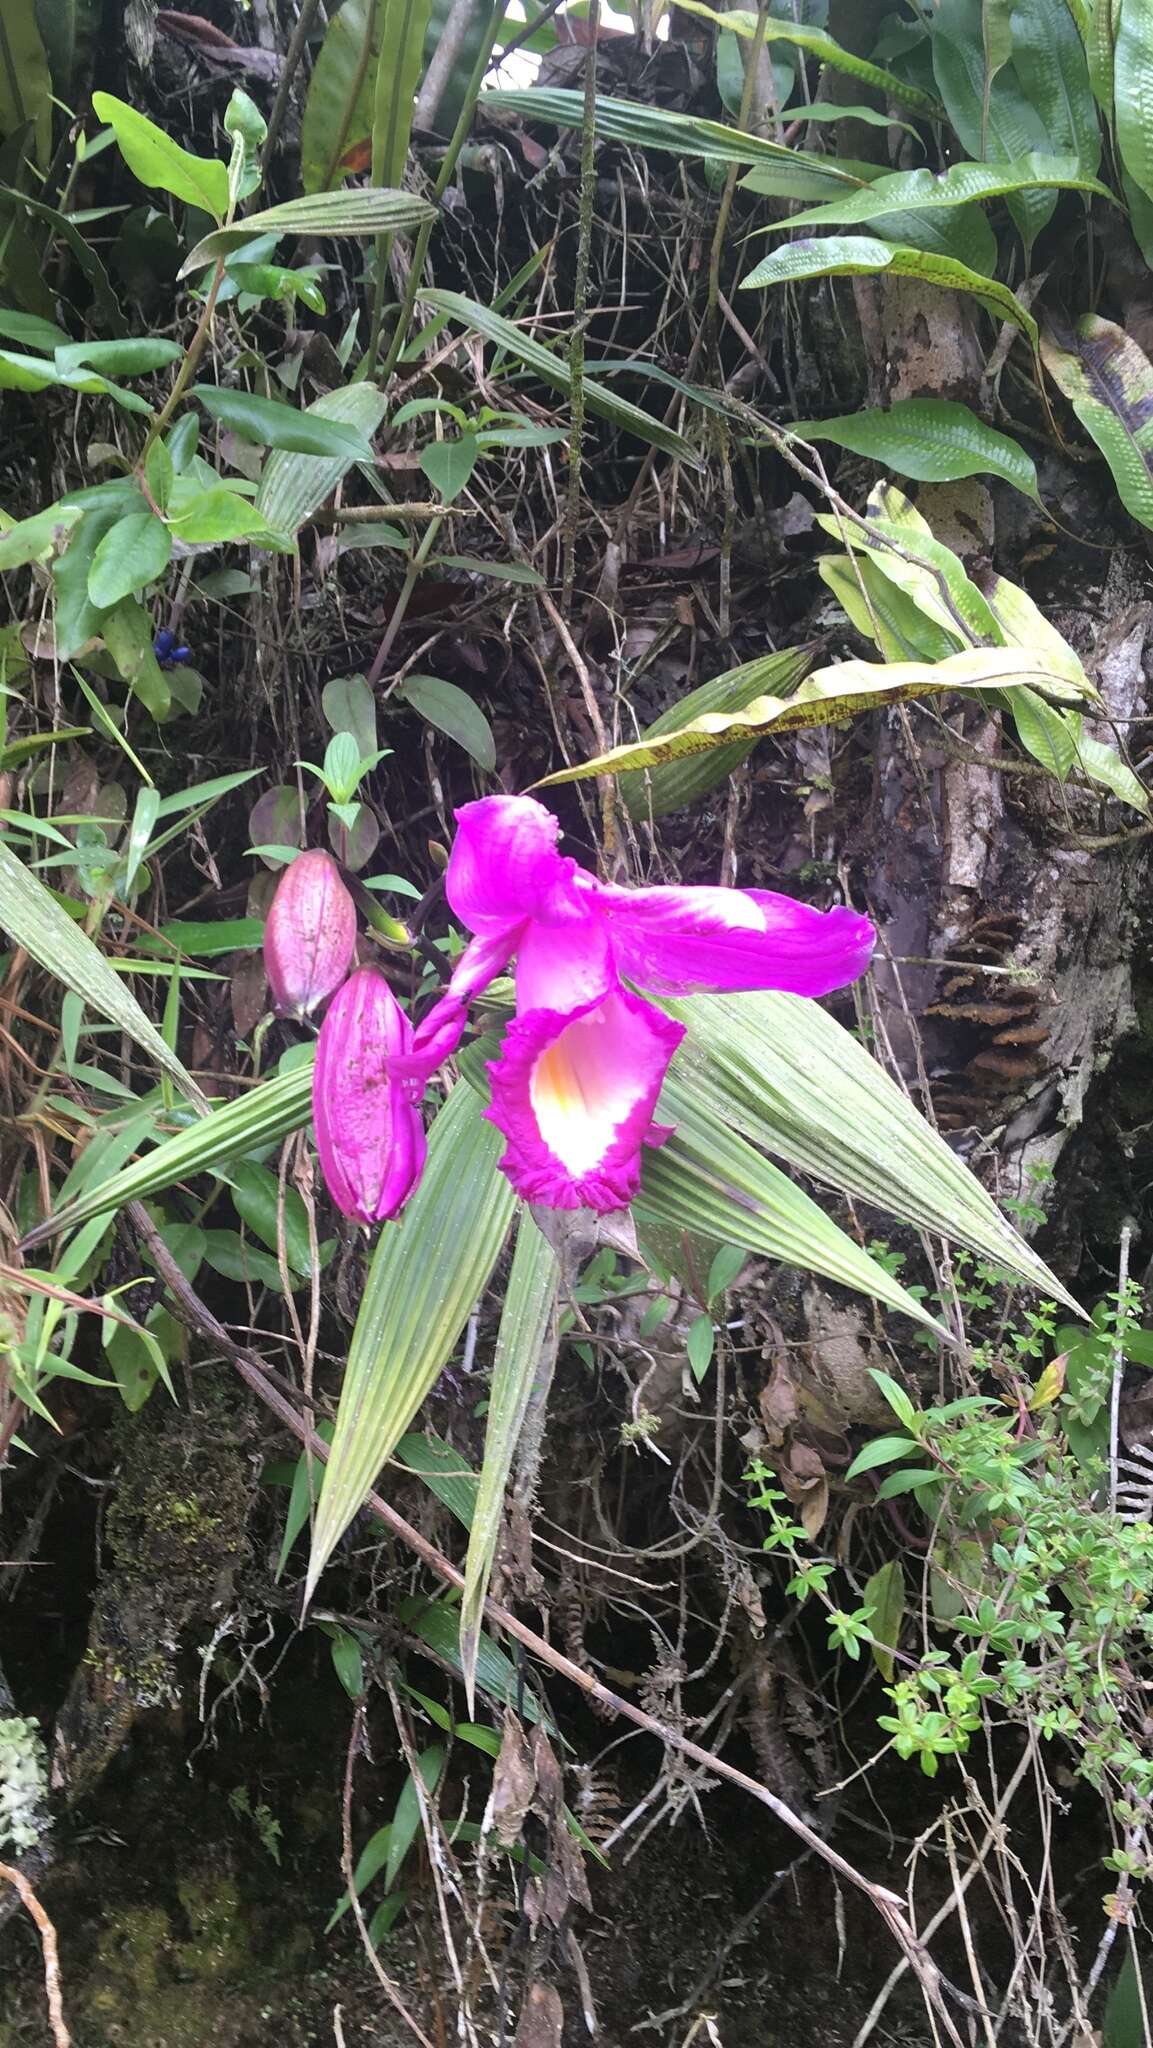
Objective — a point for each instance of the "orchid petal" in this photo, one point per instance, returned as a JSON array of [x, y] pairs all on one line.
[[574, 1095], [681, 941], [437, 1036], [564, 967], [369, 1135], [505, 868]]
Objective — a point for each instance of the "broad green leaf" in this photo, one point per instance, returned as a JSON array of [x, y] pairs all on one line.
[[992, 118], [1133, 90], [31, 332], [834, 693], [256, 1193], [885, 1594], [934, 440], [1021, 623], [444, 1471], [881, 611], [1104, 22], [709, 1178], [293, 487], [783, 1072], [681, 783], [270, 424], [1108, 380], [39, 538], [816, 42], [25, 79], [452, 711], [134, 358], [1045, 733], [428, 1272], [960, 233], [356, 210], [128, 636], [449, 464], [33, 919], [683, 135], [369, 42], [857, 255], [525, 1356], [961, 185], [35, 373], [1103, 764], [132, 553], [261, 1117], [1049, 60], [501, 572], [809, 179], [212, 516], [157, 160], [350, 706], [554, 369]]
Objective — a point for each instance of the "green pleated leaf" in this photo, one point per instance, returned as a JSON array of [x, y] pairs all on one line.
[[32, 918], [708, 1178], [262, 1116], [1104, 21], [158, 161], [1108, 381], [680, 783], [525, 1355], [428, 1272], [934, 440], [684, 135], [857, 255], [834, 693], [555, 370], [780, 1070], [356, 210], [1133, 90], [295, 486], [961, 185]]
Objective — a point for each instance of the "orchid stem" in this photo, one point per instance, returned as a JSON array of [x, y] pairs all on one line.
[[401, 606]]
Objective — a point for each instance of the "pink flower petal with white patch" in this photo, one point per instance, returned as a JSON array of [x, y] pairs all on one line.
[[368, 1133], [677, 941], [505, 868], [574, 1096]]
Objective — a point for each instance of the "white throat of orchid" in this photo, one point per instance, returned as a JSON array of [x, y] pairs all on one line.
[[582, 1090]]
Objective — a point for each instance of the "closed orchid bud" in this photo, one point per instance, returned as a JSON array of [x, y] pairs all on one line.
[[368, 1131], [310, 935]]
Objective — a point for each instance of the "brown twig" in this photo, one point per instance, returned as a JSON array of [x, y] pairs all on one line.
[[47, 1933], [252, 1371]]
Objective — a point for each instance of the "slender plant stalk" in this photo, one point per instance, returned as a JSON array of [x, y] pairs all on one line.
[[401, 606], [293, 55], [187, 368], [576, 354], [424, 234]]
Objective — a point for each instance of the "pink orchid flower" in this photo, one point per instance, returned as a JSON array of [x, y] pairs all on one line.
[[368, 1130], [583, 1062]]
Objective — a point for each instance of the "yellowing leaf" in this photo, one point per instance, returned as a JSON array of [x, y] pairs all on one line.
[[1050, 1386], [839, 692]]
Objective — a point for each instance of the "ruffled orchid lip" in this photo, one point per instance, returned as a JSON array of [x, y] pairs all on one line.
[[575, 1094]]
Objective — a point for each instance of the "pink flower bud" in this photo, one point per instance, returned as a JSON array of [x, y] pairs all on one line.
[[310, 935], [368, 1133]]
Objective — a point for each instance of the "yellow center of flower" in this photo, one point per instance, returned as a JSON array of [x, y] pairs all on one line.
[[580, 1092]]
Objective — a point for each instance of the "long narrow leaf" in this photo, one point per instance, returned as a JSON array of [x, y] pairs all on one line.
[[267, 1113], [708, 1178], [33, 919], [524, 1363], [1108, 380], [681, 783], [555, 370], [859, 255], [363, 210], [840, 692], [427, 1275], [960, 185], [790, 1077]]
